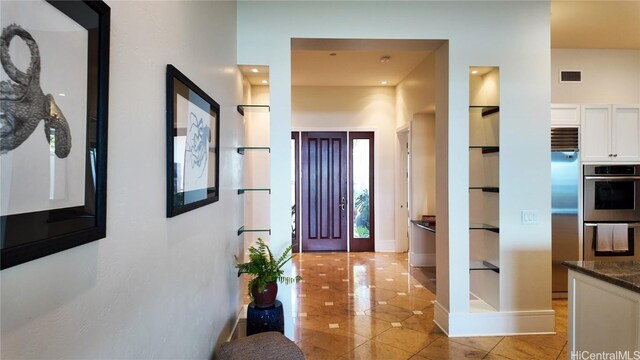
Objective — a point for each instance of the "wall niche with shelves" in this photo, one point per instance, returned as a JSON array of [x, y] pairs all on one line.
[[484, 189], [256, 157]]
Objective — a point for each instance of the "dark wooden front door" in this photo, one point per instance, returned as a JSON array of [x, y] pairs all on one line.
[[324, 191]]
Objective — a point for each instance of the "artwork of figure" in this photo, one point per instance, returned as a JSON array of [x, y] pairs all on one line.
[[197, 148], [197, 144], [23, 104]]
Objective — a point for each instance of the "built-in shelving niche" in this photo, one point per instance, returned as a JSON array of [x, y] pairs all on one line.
[[484, 189], [242, 150]]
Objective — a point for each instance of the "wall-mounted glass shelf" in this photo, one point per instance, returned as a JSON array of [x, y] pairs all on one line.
[[486, 149], [242, 191], [487, 227], [493, 189], [425, 225], [486, 109], [242, 107], [243, 148], [483, 265], [243, 230]]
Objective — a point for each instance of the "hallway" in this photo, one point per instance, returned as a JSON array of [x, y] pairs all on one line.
[[370, 306]]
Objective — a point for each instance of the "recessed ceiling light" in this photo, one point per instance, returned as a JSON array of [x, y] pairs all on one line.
[[474, 71], [61, 94], [254, 70], [383, 82], [385, 59], [265, 82]]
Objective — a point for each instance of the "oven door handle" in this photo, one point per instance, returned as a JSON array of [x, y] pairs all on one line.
[[612, 178], [631, 225]]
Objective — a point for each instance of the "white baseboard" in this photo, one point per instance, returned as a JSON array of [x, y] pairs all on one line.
[[385, 246], [422, 260], [494, 323]]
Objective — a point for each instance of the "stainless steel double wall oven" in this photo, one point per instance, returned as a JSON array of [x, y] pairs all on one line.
[[611, 195]]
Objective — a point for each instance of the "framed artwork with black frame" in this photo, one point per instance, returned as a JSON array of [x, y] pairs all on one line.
[[53, 126], [193, 136]]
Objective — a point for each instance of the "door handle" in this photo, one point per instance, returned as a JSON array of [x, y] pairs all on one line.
[[342, 204], [630, 225], [612, 178]]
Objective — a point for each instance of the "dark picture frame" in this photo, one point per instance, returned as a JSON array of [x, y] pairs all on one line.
[[31, 235], [193, 152]]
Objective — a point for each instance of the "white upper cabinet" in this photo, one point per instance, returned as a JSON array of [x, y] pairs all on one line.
[[625, 128], [565, 115], [595, 140], [610, 133]]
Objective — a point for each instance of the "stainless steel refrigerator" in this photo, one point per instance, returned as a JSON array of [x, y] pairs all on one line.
[[565, 180]]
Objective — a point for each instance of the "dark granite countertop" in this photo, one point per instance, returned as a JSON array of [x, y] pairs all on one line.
[[625, 274], [425, 225]]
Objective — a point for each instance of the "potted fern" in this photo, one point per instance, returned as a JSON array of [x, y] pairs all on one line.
[[266, 272]]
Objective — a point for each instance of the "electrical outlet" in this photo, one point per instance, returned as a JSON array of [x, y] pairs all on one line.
[[529, 216]]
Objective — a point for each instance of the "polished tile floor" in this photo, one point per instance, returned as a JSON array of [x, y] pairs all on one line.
[[374, 306]]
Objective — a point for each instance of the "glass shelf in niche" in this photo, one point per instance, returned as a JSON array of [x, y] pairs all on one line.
[[243, 148], [487, 227], [486, 149], [243, 230], [241, 108], [493, 189], [483, 265], [486, 109], [242, 191]]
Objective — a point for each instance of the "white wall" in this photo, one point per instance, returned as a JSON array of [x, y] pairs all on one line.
[[415, 104], [423, 187], [154, 287], [513, 35], [423, 165], [608, 76], [416, 93], [364, 109]]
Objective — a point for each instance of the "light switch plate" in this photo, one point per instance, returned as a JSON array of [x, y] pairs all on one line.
[[529, 216]]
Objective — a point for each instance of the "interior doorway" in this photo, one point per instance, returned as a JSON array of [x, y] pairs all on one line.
[[366, 85], [335, 197], [402, 188]]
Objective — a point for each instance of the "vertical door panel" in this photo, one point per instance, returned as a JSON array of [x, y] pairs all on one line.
[[324, 188], [311, 194], [336, 193]]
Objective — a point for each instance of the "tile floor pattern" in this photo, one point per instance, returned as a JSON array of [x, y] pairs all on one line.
[[371, 306]]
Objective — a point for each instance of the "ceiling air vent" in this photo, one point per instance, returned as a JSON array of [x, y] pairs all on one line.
[[570, 76]]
